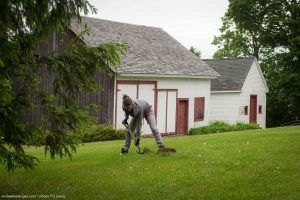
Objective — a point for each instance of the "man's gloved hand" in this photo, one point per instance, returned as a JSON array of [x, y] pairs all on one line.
[[125, 123], [137, 142]]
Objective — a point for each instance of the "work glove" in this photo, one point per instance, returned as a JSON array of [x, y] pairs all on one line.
[[137, 142], [125, 123]]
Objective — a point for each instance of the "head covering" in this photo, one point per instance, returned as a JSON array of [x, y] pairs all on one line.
[[126, 100]]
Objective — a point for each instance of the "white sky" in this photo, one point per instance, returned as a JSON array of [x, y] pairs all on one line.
[[191, 22]]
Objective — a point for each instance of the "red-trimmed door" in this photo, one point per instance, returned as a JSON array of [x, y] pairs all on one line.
[[182, 116], [253, 109]]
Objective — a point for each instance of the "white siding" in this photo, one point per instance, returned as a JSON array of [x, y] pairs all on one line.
[[224, 107], [161, 111], [254, 85], [187, 88], [171, 121]]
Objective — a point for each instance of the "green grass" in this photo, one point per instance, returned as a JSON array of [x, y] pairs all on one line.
[[255, 164]]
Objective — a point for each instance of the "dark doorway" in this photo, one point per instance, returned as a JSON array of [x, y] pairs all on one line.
[[253, 109], [182, 116]]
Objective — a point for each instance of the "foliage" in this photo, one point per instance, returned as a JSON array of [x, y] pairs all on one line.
[[24, 26], [104, 133], [268, 30], [195, 51], [234, 41], [91, 133], [220, 127]]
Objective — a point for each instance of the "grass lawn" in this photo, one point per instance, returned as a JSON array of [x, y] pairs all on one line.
[[257, 164]]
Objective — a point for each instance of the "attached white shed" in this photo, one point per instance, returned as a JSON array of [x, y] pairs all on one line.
[[239, 94]]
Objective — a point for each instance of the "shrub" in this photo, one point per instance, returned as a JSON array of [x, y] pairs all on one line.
[[219, 123], [90, 133], [102, 132], [220, 127]]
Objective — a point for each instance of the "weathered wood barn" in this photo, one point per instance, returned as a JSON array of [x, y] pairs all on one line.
[[56, 43], [239, 93]]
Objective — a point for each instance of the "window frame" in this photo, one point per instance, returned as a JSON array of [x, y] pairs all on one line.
[[259, 109], [201, 99], [246, 110]]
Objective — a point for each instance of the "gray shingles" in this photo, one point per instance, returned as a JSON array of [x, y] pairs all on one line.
[[151, 50], [233, 73]]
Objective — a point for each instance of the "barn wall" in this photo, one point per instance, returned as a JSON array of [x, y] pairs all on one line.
[[190, 88], [104, 97], [186, 88], [254, 85], [224, 107]]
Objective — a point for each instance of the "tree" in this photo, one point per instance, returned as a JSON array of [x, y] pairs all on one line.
[[195, 51], [24, 26], [235, 41], [270, 31]]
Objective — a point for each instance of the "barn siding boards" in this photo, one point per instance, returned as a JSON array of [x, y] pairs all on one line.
[[56, 42], [104, 97]]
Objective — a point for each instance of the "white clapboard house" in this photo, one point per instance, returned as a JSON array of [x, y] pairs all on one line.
[[159, 69], [239, 93]]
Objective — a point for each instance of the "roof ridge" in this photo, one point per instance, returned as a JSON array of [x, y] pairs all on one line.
[[118, 22], [237, 58]]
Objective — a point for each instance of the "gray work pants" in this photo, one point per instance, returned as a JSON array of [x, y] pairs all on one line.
[[137, 123]]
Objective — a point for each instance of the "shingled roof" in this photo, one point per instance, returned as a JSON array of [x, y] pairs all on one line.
[[151, 50], [233, 73]]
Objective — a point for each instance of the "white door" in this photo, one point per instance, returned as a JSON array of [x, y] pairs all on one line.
[[146, 92], [161, 111], [171, 117], [166, 111], [130, 90]]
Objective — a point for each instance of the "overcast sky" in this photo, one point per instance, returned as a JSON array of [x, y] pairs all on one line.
[[191, 22]]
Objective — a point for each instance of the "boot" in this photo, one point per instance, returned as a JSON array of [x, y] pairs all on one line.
[[123, 150]]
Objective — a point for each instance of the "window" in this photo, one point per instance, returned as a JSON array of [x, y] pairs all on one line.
[[245, 110], [259, 109], [199, 109]]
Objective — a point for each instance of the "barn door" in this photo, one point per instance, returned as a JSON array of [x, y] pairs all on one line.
[[136, 90], [253, 109], [130, 90], [182, 116], [147, 92]]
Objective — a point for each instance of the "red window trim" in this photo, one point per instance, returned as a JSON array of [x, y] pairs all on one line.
[[202, 99]]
